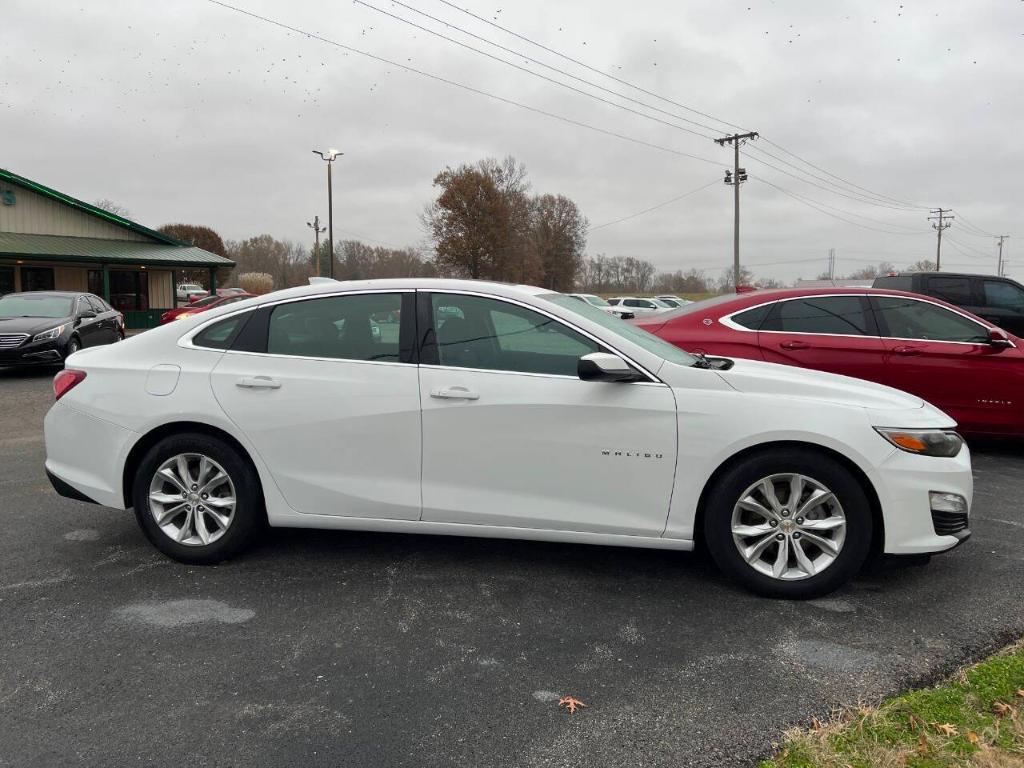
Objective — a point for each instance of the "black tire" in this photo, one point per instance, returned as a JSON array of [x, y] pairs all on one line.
[[73, 346], [725, 494], [249, 516]]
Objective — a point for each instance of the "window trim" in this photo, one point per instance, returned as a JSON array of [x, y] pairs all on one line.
[[923, 300], [268, 307], [429, 329], [727, 321]]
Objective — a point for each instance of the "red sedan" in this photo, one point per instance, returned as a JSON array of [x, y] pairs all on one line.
[[201, 305], [969, 368]]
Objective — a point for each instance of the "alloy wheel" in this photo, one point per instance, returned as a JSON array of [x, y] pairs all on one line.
[[788, 526], [192, 499]]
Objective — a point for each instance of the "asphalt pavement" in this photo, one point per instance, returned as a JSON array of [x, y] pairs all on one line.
[[358, 649]]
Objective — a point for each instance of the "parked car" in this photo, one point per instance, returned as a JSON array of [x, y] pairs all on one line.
[[232, 292], [524, 414], [966, 366], [597, 301], [673, 301], [640, 307], [46, 327], [999, 300], [200, 305], [187, 290]]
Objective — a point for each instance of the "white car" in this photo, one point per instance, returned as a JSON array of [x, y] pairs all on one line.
[[640, 307], [185, 290], [499, 411], [673, 301], [597, 301]]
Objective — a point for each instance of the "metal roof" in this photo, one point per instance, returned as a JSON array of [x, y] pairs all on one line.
[[63, 248], [92, 210]]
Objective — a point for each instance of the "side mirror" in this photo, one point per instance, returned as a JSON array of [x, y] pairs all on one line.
[[601, 366], [999, 338]]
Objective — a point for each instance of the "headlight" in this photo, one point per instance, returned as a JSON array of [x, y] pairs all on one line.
[[926, 442], [53, 333]]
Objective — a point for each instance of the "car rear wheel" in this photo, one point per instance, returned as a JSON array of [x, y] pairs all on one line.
[[792, 523], [196, 499]]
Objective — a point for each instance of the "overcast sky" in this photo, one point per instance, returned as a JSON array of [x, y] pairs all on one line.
[[188, 111]]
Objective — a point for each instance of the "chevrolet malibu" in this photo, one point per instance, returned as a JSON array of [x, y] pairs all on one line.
[[499, 411]]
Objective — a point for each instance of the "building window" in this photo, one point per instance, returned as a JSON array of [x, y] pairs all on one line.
[[129, 290], [95, 281], [6, 280], [37, 278]]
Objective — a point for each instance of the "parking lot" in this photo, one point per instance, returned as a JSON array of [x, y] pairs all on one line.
[[323, 648]]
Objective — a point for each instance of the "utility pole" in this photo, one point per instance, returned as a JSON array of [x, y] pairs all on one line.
[[942, 215], [999, 270], [329, 157], [315, 226], [736, 177], [832, 264]]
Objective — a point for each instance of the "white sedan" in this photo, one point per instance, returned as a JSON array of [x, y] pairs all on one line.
[[640, 307], [597, 301], [499, 411]]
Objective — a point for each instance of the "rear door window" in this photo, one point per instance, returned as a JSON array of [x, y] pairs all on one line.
[[906, 318], [834, 315], [340, 327], [1001, 295]]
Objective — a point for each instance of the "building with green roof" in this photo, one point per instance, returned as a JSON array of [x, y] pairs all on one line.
[[51, 241]]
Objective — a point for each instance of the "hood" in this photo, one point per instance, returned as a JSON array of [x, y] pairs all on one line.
[[30, 325], [787, 381]]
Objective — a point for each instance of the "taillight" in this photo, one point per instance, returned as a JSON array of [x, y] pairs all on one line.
[[65, 381]]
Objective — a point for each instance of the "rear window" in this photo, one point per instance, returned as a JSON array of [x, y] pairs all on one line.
[[894, 282], [220, 335]]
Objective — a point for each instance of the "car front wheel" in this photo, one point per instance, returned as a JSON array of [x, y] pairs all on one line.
[[197, 499], [791, 523]]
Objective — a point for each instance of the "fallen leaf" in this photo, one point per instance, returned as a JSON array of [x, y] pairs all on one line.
[[816, 724], [914, 721], [946, 729], [570, 703], [922, 744], [972, 737], [1001, 709], [1020, 693]]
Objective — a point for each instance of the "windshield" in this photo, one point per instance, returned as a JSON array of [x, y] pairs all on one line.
[[206, 302], [670, 302], [27, 305], [629, 332], [662, 304], [597, 301]]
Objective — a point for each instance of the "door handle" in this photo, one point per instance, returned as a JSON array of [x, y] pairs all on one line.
[[795, 345], [258, 382], [907, 351], [454, 393]]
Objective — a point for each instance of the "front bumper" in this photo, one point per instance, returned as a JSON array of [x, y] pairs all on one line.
[[34, 353], [911, 526]]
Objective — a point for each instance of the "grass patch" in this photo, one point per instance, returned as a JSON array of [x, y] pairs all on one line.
[[974, 719]]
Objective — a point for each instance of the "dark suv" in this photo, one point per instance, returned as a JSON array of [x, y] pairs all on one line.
[[999, 300]]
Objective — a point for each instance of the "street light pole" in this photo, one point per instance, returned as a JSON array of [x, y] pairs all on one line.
[[329, 157]]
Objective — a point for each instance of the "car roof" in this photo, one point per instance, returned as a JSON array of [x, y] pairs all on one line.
[[508, 290], [58, 294]]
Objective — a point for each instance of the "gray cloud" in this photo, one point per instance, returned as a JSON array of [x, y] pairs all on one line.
[[186, 111]]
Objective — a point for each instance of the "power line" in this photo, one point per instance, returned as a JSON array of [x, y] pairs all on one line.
[[894, 227], [850, 193], [463, 86], [529, 71], [654, 207], [589, 67], [667, 100], [840, 178], [816, 207], [538, 62]]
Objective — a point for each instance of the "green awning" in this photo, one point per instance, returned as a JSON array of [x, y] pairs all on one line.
[[94, 249]]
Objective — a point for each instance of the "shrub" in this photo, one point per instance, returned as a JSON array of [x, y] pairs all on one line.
[[256, 282]]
